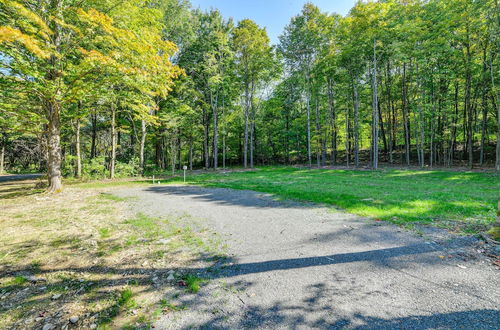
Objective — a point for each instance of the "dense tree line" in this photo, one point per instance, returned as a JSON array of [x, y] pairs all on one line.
[[108, 87]]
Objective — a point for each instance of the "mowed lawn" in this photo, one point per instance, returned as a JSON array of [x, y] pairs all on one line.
[[461, 201]]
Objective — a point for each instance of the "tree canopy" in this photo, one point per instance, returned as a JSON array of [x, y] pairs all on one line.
[[113, 88]]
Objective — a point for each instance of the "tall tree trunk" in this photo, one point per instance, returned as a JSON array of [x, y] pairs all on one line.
[[496, 101], [468, 107], [420, 136], [52, 104], [382, 128], [224, 151], [191, 153], [179, 149], [245, 141], [287, 136], [173, 153], [390, 108], [223, 134], [375, 114], [497, 158], [216, 130], [484, 120], [2, 156], [205, 138], [78, 150], [453, 138], [420, 133], [347, 137], [141, 146], [252, 125], [93, 144], [113, 141], [356, 120], [333, 119], [318, 132], [308, 109], [406, 117], [53, 112]]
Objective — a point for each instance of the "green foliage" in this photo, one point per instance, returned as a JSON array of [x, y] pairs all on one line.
[[19, 280], [193, 283], [95, 168], [125, 299], [111, 89], [130, 169]]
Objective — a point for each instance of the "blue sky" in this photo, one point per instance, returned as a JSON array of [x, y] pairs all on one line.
[[273, 14]]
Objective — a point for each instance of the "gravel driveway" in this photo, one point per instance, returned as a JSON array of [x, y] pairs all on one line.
[[298, 266]]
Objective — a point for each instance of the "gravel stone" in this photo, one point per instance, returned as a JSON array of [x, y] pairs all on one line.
[[301, 265]]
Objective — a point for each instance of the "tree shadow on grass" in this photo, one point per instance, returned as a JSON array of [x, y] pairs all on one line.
[[470, 215], [107, 284], [13, 186], [223, 196]]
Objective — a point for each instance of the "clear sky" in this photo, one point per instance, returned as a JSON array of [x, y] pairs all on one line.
[[272, 14]]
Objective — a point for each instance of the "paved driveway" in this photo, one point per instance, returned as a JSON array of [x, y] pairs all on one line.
[[304, 266]]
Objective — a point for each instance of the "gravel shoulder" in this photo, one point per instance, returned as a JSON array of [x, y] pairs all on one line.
[[298, 265]]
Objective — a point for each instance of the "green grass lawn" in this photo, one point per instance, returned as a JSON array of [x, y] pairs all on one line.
[[461, 201]]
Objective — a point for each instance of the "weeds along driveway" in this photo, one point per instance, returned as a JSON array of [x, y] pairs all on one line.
[[295, 265]]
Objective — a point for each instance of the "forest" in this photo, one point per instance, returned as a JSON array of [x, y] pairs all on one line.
[[108, 88]]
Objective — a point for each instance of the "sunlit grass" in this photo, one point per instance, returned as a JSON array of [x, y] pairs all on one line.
[[456, 200]]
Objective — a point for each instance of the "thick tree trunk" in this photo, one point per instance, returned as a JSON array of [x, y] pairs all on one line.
[[52, 105], [78, 150], [113, 142], [53, 112]]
